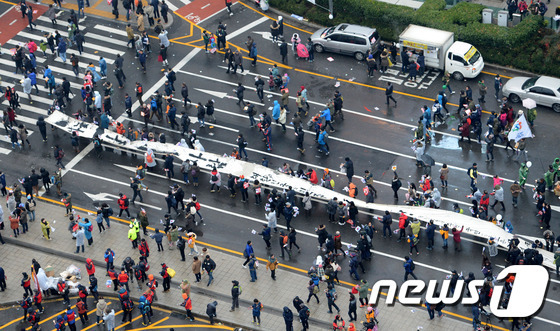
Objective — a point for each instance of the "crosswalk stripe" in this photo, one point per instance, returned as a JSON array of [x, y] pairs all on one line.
[[5, 151], [107, 39], [111, 30], [32, 109], [86, 45], [39, 59], [39, 75], [35, 98]]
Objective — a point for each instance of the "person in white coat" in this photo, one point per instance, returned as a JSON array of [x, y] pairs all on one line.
[[271, 218], [109, 318], [198, 146], [150, 159], [436, 195], [419, 149], [79, 235], [163, 40], [98, 101], [26, 84]]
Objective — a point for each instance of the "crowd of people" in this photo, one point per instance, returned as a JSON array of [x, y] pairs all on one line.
[[97, 107]]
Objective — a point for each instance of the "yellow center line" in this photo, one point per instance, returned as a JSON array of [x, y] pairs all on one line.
[[94, 324], [179, 326], [241, 254], [43, 320], [96, 4], [160, 321], [125, 324], [272, 18]]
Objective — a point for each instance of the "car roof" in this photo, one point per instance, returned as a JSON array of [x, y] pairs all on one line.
[[355, 29], [549, 82]]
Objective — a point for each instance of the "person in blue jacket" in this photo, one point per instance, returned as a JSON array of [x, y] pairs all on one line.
[[326, 114], [88, 227]]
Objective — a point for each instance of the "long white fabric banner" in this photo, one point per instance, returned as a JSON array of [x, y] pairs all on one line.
[[273, 178]]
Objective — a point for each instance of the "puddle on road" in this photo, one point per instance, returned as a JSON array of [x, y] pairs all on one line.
[[446, 142]]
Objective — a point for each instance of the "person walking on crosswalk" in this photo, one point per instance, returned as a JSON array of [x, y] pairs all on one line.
[[29, 14], [62, 49]]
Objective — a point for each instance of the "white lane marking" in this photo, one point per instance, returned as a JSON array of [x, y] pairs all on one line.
[[312, 235], [13, 22], [151, 91], [463, 170], [205, 6]]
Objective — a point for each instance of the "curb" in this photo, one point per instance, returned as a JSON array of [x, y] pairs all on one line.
[[288, 17], [197, 290]]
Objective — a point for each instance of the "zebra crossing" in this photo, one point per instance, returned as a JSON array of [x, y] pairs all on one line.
[[100, 40]]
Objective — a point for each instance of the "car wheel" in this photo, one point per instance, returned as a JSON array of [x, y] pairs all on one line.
[[514, 98], [319, 48], [458, 76], [359, 56], [556, 107]]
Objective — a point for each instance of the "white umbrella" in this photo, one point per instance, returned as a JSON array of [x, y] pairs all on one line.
[[529, 103]]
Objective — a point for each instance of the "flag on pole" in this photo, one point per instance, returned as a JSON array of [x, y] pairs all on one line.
[[520, 129], [35, 279]]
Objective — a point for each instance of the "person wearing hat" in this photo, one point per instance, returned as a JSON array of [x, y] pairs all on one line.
[[235, 292]]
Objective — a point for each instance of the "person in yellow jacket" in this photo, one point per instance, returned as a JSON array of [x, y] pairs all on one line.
[[133, 236], [191, 242], [415, 227], [370, 314], [136, 226], [272, 264], [444, 235]]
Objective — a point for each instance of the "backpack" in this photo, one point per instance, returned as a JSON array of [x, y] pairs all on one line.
[[214, 178], [60, 153], [192, 210], [90, 228], [412, 265], [315, 289], [126, 202], [285, 240]]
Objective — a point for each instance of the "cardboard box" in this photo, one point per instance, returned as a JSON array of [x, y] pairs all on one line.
[[49, 271]]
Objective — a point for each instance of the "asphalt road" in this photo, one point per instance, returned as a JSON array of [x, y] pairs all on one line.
[[373, 135]]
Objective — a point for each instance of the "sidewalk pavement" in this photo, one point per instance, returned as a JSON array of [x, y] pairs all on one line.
[[101, 8], [274, 295]]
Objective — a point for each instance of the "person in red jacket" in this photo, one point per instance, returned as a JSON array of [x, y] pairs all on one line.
[[152, 284], [83, 294], [37, 300], [70, 317], [149, 294], [33, 317], [403, 223], [123, 279], [144, 249], [166, 277], [114, 278], [63, 290], [25, 305], [123, 204], [457, 238], [26, 284], [82, 311], [312, 176], [90, 267], [188, 306]]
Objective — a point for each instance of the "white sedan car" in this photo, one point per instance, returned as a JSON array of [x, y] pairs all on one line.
[[543, 89]]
